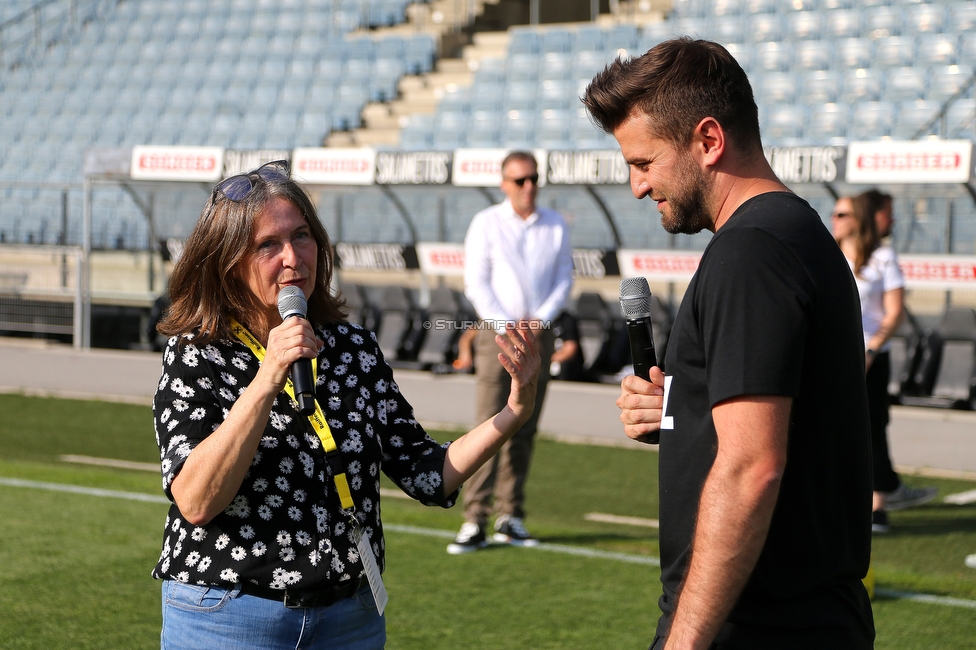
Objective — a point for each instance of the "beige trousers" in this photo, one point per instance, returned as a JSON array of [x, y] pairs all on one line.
[[503, 477]]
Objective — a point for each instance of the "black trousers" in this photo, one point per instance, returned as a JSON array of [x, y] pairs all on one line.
[[885, 477]]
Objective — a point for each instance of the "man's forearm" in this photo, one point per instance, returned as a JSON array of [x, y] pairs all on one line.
[[733, 522]]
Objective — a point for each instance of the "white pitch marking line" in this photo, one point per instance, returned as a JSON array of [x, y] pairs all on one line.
[[109, 462], [619, 519], [961, 498], [446, 534]]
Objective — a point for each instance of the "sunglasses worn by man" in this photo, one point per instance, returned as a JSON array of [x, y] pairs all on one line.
[[521, 181], [236, 188]]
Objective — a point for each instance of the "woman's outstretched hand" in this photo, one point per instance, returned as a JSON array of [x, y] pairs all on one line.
[[520, 357]]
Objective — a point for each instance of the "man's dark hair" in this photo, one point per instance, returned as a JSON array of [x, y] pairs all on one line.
[[677, 84]]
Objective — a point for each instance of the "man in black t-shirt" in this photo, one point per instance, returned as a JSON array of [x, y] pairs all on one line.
[[765, 477]]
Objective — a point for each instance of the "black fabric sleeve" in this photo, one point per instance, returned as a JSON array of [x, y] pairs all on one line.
[[752, 304]]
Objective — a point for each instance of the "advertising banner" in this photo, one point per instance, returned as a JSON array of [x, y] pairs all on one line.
[[375, 257], [483, 167], [659, 265], [439, 258], [914, 161], [334, 166], [807, 164], [158, 163], [413, 167], [588, 168], [938, 271]]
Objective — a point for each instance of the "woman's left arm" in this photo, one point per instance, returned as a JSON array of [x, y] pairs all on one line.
[[893, 302], [520, 357]]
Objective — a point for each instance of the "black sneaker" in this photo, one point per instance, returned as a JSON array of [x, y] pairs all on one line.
[[511, 530], [905, 496], [470, 538], [879, 522]]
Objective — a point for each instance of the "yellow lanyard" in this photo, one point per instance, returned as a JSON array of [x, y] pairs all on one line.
[[317, 419]]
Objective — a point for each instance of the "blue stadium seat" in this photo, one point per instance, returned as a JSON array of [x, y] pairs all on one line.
[[828, 123], [781, 124], [622, 35], [937, 49], [904, 84], [812, 55], [871, 120], [772, 57], [804, 25], [762, 6], [743, 53], [727, 29], [852, 53], [911, 116], [556, 65], [925, 18], [589, 38], [522, 67], [862, 84], [946, 81], [819, 87], [765, 27], [881, 22], [776, 88], [524, 41], [961, 119], [842, 23], [962, 17], [556, 39], [895, 51]]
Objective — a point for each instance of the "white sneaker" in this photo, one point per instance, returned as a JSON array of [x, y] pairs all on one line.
[[970, 561], [905, 496], [470, 538], [511, 530]]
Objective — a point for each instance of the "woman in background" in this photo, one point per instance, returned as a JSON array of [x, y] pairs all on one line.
[[882, 291]]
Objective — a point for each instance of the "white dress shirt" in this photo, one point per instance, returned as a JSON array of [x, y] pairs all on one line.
[[517, 268]]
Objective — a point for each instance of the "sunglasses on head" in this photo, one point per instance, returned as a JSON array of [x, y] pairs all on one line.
[[236, 188], [521, 181]]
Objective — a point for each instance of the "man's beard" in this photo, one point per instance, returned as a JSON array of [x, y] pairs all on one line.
[[688, 212]]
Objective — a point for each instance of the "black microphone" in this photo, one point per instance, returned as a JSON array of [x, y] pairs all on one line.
[[291, 302], [635, 302]]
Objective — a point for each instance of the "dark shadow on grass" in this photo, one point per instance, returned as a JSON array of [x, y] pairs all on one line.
[[934, 519]]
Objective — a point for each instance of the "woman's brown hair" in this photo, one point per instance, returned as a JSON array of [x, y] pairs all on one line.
[[206, 288], [867, 230]]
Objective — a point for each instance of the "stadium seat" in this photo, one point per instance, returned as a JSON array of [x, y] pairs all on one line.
[[776, 88], [596, 335], [911, 117], [960, 119], [842, 23], [727, 29], [828, 123], [937, 49], [961, 17], [894, 51], [924, 18], [556, 65], [804, 25], [881, 22], [904, 352], [396, 328], [812, 55], [444, 312], [862, 84], [819, 87], [621, 36], [522, 67], [765, 27], [946, 374], [589, 38], [556, 39], [772, 57], [902, 84], [945, 81], [783, 123], [852, 53], [871, 120]]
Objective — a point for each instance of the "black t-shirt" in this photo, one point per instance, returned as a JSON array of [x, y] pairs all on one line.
[[773, 310]]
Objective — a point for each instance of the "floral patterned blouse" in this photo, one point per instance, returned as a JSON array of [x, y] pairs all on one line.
[[285, 527]]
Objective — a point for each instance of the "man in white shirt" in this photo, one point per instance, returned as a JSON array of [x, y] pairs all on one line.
[[518, 267]]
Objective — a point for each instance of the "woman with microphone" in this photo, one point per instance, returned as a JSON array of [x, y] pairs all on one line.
[[274, 538]]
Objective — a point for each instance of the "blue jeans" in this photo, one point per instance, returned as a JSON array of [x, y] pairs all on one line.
[[197, 617]]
